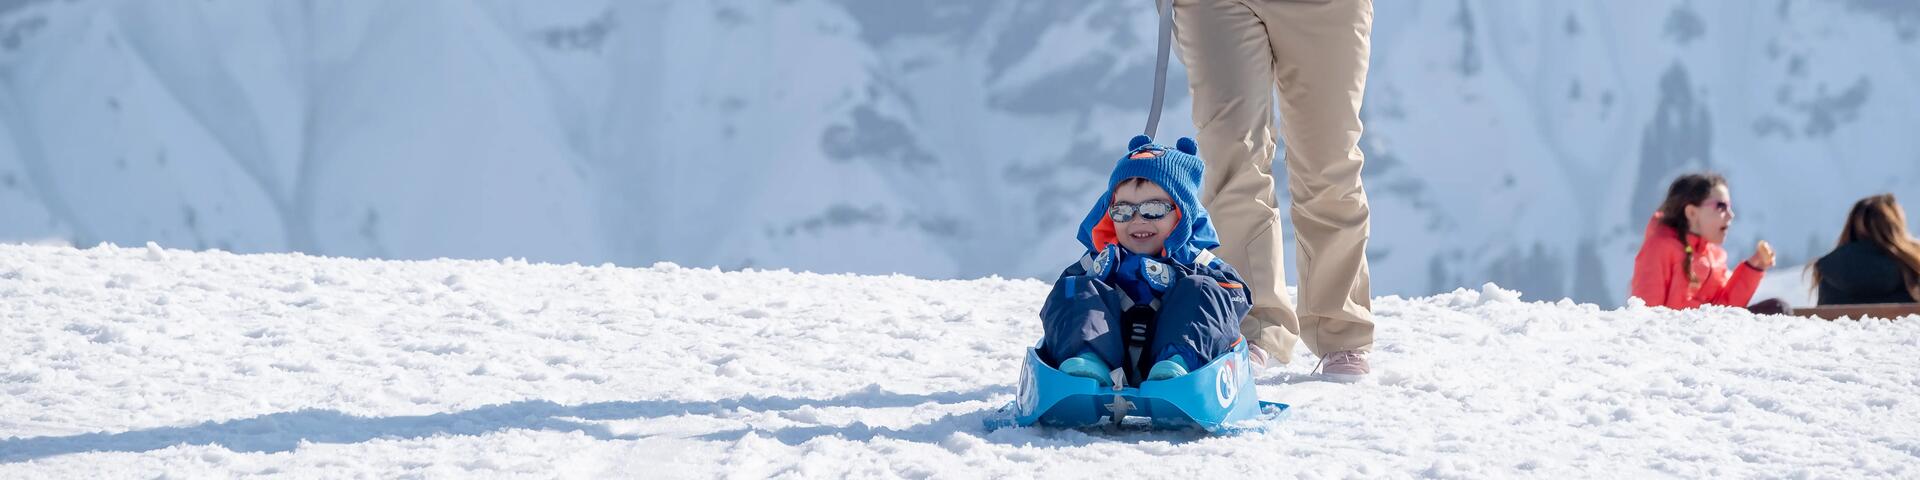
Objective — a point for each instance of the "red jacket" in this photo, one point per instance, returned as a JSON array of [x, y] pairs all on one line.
[[1658, 277]]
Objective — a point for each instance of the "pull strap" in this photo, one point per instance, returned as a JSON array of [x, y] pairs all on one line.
[[1160, 66]]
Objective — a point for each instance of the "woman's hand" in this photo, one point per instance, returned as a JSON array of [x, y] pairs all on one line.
[[1762, 258]]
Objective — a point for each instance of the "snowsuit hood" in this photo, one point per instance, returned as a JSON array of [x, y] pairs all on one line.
[[1178, 170]]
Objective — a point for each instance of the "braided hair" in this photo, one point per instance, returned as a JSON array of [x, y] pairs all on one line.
[[1689, 189]]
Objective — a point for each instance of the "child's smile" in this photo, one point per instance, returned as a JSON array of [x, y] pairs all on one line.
[[1142, 238], [1140, 234]]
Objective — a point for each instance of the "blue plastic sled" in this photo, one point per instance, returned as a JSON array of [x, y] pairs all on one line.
[[1218, 398]]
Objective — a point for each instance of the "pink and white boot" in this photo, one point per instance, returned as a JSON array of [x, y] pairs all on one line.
[[1345, 366]]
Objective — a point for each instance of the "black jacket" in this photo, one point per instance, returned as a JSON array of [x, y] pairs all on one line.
[[1861, 272]]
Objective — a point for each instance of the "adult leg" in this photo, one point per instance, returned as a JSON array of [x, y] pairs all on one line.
[[1229, 64], [1320, 56], [1771, 306]]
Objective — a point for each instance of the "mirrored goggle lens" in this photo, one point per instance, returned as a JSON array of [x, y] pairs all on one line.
[[1124, 212]]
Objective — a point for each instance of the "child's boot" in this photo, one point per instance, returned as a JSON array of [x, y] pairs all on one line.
[[1087, 365], [1169, 368]]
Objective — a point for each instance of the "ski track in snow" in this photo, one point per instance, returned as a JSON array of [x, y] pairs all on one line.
[[135, 361]]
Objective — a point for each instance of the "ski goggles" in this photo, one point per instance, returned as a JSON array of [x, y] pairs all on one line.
[[1152, 210]]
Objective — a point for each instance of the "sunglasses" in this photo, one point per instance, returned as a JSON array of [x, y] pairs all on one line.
[[1122, 212]]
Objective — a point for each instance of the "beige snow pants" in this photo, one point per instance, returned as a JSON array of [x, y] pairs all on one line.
[[1315, 52]]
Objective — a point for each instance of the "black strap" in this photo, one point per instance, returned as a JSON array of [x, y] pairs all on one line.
[[1139, 322]]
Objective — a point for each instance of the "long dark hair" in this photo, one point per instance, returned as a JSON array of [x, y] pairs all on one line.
[[1879, 220], [1689, 189]]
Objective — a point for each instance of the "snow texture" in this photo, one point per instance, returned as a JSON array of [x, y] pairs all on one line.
[[137, 362]]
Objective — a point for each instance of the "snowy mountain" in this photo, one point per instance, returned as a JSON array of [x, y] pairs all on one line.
[[124, 362], [1521, 143]]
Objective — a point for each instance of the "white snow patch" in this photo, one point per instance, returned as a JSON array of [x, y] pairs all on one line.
[[550, 370]]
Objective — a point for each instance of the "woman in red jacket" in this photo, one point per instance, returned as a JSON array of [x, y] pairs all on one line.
[[1681, 264]]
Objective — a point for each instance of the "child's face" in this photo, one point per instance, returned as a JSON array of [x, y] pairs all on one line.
[[1139, 234], [1711, 218]]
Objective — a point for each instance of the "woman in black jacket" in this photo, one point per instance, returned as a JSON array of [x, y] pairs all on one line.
[[1877, 261]]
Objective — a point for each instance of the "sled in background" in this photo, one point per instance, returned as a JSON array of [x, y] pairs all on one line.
[[1889, 311]]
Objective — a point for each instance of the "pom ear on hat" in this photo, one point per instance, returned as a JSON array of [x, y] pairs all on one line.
[[1138, 140], [1187, 146], [1181, 175]]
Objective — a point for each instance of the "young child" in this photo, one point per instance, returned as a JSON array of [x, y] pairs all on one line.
[[1681, 263], [1148, 300]]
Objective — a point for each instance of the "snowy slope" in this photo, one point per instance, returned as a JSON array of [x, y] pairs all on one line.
[[1516, 142], [125, 362]]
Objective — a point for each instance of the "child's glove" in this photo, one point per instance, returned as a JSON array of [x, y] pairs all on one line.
[[1143, 277], [1103, 264]]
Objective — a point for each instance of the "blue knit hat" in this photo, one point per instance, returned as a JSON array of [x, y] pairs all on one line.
[[1176, 170]]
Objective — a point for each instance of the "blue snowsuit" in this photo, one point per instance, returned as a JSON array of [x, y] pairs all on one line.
[[1192, 300]]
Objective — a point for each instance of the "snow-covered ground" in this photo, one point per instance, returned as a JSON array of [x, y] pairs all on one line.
[[125, 362]]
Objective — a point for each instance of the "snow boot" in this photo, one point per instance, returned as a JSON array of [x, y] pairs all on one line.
[[1169, 368], [1087, 365]]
